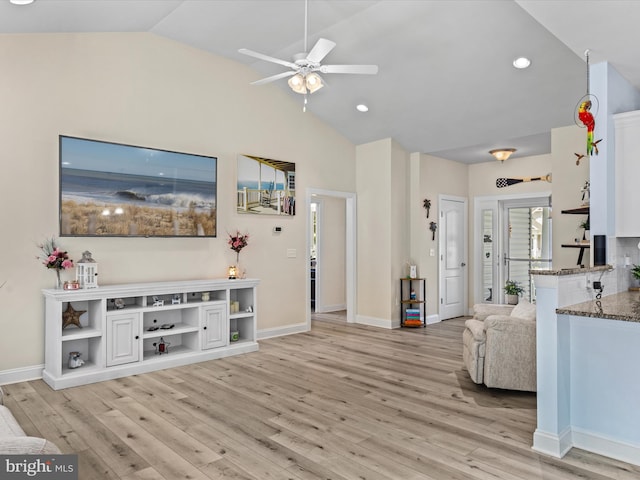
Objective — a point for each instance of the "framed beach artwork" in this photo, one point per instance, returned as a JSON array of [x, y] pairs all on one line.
[[265, 186], [115, 190]]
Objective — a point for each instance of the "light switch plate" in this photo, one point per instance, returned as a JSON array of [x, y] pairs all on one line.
[[292, 253]]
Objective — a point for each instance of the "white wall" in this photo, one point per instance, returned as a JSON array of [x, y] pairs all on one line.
[[383, 243], [145, 90], [331, 272], [568, 179], [398, 225], [438, 176]]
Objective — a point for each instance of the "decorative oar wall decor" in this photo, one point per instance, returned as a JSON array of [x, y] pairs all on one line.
[[506, 182]]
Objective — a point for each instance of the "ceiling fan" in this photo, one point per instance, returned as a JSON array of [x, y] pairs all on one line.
[[305, 66]]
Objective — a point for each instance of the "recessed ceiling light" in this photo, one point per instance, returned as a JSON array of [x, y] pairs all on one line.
[[21, 2], [521, 62], [362, 108]]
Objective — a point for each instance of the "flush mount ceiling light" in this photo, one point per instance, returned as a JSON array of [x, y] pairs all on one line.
[[362, 108], [502, 153], [521, 62], [21, 2]]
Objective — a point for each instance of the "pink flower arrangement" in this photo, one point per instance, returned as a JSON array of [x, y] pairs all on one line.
[[53, 257], [237, 242]]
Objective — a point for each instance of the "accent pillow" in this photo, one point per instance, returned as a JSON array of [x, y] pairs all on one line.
[[524, 309]]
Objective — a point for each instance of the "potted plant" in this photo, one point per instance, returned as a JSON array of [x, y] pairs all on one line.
[[587, 229], [635, 271], [513, 290]]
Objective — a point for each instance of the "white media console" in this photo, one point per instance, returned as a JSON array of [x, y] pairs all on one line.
[[123, 325]]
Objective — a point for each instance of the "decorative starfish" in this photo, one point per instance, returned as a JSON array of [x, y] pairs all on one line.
[[71, 317]]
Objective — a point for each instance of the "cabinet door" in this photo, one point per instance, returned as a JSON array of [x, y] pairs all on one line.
[[215, 326], [123, 339], [627, 170]]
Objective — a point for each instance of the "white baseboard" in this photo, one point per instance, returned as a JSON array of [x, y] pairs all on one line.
[[280, 331], [603, 445], [330, 308], [23, 374], [552, 444], [375, 322], [431, 319]]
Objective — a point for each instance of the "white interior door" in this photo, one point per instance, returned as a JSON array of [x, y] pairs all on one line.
[[453, 257]]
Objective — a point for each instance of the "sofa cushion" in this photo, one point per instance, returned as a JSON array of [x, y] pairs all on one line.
[[524, 309], [8, 425], [476, 329], [473, 355], [483, 310], [27, 446]]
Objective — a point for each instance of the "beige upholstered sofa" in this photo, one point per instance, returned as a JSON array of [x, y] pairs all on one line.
[[13, 440], [499, 346]]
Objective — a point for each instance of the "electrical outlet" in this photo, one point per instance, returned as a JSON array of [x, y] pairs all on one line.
[[597, 285]]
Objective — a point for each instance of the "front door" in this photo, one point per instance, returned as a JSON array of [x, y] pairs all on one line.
[[453, 257], [527, 242]]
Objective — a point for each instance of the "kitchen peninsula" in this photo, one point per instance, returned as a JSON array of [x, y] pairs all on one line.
[[588, 352]]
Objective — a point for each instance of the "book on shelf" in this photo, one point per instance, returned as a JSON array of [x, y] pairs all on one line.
[[412, 322]]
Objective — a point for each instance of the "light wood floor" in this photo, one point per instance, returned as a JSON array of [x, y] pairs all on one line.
[[340, 402]]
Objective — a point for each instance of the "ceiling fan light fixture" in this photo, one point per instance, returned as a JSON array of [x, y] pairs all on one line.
[[298, 84], [21, 2], [362, 108], [502, 154], [313, 82]]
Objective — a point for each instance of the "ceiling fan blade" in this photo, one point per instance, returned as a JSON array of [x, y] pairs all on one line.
[[267, 58], [273, 78], [358, 69], [320, 50]]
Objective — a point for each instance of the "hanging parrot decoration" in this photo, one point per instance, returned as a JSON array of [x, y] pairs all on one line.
[[586, 118], [588, 121]]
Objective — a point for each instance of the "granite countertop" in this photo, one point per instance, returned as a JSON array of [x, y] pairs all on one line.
[[623, 306], [571, 271]]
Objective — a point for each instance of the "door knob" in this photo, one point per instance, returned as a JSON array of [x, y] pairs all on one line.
[[463, 264]]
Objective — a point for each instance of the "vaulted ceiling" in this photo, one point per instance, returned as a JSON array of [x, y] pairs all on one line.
[[446, 85]]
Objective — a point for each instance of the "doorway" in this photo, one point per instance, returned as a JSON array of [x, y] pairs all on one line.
[[512, 236], [322, 242], [527, 240]]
